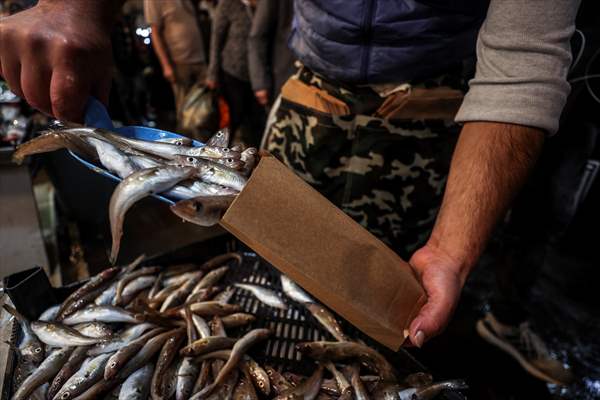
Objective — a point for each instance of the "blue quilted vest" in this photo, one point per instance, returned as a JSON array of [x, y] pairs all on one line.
[[385, 41]]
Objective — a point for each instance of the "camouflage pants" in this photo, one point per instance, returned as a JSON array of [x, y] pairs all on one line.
[[388, 175]]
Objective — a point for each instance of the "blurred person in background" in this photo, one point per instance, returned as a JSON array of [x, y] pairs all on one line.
[[228, 68], [179, 44], [271, 62]]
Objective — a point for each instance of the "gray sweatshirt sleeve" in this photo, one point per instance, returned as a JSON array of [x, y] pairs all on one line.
[[523, 57], [258, 44]]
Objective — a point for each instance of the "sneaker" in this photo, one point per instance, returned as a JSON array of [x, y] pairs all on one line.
[[526, 347]]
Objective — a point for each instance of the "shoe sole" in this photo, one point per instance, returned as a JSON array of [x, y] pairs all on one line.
[[491, 338]]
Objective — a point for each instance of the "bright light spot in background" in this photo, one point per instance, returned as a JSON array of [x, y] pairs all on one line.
[[146, 41], [143, 32]]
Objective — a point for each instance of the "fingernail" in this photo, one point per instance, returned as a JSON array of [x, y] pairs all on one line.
[[419, 339]]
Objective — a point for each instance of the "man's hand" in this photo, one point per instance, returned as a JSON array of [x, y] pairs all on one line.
[[440, 275], [209, 83], [169, 73], [262, 96], [489, 166], [58, 54]]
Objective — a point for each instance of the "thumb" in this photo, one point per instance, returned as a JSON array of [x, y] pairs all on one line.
[[432, 318], [101, 88]]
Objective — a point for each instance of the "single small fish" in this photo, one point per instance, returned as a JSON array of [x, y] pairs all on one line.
[[50, 313], [207, 345], [95, 329], [31, 349], [210, 279], [107, 296], [257, 374], [307, 390], [58, 335], [166, 357], [177, 141], [279, 383], [135, 187], [177, 297], [250, 158], [294, 292], [203, 377], [360, 392], [112, 159], [237, 319], [326, 318], [339, 351], [431, 391], [130, 277], [137, 385], [102, 314], [179, 279], [47, 369], [67, 370], [202, 295], [187, 373], [92, 285], [342, 383], [210, 308], [219, 139], [244, 390], [225, 295], [237, 352], [136, 286], [212, 172], [203, 210], [201, 325], [145, 161], [89, 373], [264, 295], [51, 141], [126, 352]]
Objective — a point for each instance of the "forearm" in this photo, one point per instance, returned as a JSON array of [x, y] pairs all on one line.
[[159, 47], [490, 164], [105, 11]]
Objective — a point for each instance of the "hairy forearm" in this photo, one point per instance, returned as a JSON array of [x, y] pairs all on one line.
[[490, 164], [160, 48], [104, 11]]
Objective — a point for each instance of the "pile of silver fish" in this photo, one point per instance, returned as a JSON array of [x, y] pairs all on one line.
[[204, 180], [162, 333]]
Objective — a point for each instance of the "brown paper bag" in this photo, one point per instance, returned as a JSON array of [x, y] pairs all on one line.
[[335, 259]]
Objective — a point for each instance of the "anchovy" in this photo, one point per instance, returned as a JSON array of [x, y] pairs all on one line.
[[166, 357], [212, 172], [219, 139], [201, 326], [225, 295], [337, 351], [102, 314], [237, 352], [293, 291], [47, 369], [207, 345], [31, 349], [136, 286], [137, 385], [107, 296], [210, 279], [179, 295], [130, 277], [308, 390], [433, 390], [126, 352], [144, 161], [135, 187], [360, 392], [237, 319], [89, 373], [202, 295], [278, 382], [203, 210], [67, 370], [326, 318], [203, 377], [50, 313], [250, 158], [341, 381], [94, 329], [178, 280], [258, 375], [177, 141], [59, 335], [264, 295], [244, 390], [186, 377], [92, 285], [112, 159], [54, 140], [210, 308]]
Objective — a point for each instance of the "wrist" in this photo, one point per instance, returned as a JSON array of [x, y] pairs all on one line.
[[458, 263]]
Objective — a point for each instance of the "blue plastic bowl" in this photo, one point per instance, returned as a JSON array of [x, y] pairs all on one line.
[[97, 116]]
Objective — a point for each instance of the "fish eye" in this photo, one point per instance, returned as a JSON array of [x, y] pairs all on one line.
[[113, 364], [219, 134], [38, 350], [225, 150], [65, 395], [190, 159]]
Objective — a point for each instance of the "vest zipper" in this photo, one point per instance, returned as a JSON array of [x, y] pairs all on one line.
[[366, 29]]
